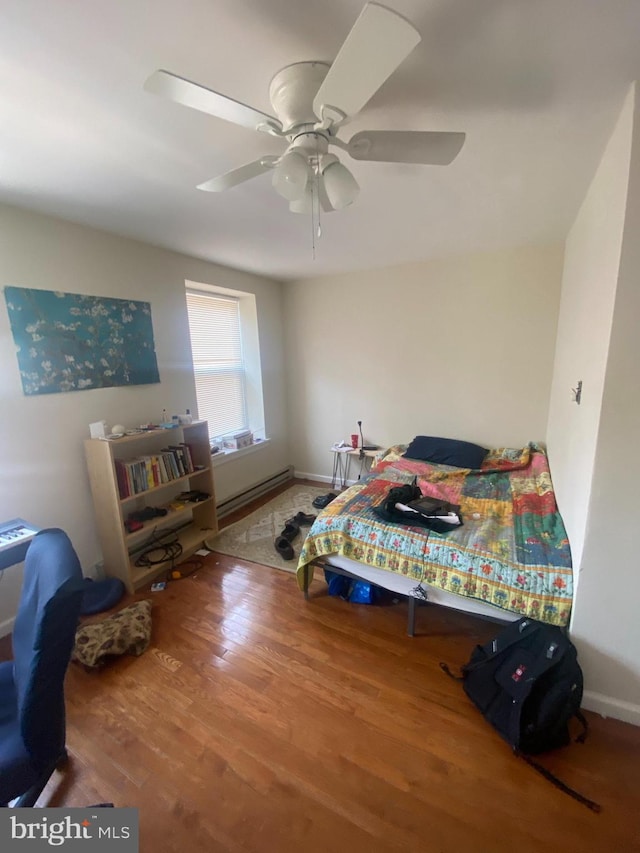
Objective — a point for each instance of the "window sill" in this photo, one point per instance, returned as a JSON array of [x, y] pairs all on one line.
[[224, 456]]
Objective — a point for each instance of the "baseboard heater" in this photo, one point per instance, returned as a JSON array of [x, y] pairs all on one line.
[[241, 499]]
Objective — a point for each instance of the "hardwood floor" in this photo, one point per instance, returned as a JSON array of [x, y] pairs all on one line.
[[257, 721]]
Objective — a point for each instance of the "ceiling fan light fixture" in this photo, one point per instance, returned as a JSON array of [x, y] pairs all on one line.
[[304, 204], [291, 176], [340, 186]]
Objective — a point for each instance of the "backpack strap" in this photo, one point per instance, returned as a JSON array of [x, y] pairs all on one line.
[[590, 804], [444, 667], [585, 726]]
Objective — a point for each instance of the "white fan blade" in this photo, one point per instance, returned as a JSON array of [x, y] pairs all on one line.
[[198, 97], [378, 42], [239, 175], [429, 148]]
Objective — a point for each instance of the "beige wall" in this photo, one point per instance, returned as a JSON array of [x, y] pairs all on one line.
[[606, 624], [461, 347], [44, 475], [590, 278]]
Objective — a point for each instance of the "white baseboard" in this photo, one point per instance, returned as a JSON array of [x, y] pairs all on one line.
[[607, 706], [302, 475], [6, 627]]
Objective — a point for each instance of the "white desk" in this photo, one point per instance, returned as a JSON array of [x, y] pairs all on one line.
[[342, 461]]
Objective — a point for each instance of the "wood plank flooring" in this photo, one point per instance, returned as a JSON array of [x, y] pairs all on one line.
[[258, 721]]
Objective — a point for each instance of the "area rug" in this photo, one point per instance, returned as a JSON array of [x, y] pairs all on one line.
[[252, 537]]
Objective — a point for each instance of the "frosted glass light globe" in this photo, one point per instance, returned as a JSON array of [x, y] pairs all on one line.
[[291, 175], [340, 185]]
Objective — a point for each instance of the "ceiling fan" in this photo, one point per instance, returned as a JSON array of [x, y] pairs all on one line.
[[312, 100]]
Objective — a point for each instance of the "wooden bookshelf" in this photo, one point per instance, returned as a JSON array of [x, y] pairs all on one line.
[[192, 523]]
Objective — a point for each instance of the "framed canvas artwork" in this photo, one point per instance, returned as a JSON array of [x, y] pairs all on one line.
[[71, 342]]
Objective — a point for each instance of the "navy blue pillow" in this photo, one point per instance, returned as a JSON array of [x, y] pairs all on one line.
[[446, 451]]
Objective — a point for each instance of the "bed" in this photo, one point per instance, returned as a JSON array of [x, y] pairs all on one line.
[[510, 558]]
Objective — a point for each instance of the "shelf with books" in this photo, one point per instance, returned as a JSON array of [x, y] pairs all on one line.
[[157, 467], [106, 462], [174, 482]]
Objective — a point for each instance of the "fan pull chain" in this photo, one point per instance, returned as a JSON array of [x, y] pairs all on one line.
[[313, 228], [315, 204], [317, 188]]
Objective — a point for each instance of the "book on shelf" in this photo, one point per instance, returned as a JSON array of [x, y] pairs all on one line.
[[123, 481], [142, 473], [171, 463], [183, 458], [186, 449]]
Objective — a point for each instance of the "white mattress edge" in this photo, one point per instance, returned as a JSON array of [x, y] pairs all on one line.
[[405, 586]]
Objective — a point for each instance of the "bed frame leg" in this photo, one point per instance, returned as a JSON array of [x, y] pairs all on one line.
[[411, 621]]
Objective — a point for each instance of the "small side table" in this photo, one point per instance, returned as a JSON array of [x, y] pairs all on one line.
[[342, 457]]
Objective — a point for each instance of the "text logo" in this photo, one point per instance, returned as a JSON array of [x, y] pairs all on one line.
[[99, 829]]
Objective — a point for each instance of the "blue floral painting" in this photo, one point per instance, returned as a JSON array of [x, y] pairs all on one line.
[[70, 342]]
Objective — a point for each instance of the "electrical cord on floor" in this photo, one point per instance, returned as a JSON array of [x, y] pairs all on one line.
[[159, 549], [180, 573], [163, 547]]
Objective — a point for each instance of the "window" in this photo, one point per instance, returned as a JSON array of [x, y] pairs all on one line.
[[216, 346]]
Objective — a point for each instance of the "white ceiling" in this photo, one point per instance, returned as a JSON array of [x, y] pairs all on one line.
[[536, 85]]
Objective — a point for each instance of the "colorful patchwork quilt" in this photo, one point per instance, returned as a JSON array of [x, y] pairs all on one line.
[[512, 550]]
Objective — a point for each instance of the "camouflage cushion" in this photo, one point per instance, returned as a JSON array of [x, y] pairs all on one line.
[[126, 632]]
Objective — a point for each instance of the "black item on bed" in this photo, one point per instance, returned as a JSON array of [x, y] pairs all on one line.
[[446, 451], [388, 510]]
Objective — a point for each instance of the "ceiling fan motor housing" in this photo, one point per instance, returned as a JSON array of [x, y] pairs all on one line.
[[313, 144], [292, 91]]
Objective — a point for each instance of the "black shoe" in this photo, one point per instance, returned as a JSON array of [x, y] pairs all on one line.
[[290, 530], [323, 500], [301, 518], [284, 548]]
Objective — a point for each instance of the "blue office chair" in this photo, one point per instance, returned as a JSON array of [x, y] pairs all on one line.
[[32, 717]]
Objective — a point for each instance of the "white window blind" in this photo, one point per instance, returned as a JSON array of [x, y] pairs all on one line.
[[216, 345]]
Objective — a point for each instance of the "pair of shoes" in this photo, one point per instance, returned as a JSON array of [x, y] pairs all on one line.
[[323, 500], [301, 518], [284, 548], [283, 541], [290, 530]]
